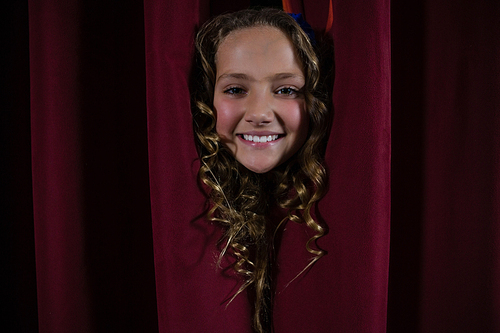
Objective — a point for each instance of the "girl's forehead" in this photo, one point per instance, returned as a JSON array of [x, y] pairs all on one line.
[[258, 46]]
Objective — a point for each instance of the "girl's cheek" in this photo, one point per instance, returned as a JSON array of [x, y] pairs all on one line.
[[227, 117]]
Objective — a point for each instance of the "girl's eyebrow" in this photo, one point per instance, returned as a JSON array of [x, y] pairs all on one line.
[[233, 76], [278, 76]]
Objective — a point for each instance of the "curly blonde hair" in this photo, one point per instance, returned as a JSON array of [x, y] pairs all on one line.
[[241, 200]]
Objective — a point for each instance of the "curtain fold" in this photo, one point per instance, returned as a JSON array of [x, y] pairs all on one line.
[[445, 240], [346, 289], [57, 167], [89, 167], [191, 290], [461, 248]]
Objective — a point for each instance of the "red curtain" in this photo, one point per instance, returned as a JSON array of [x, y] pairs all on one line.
[[445, 241], [352, 280], [92, 220], [188, 284], [462, 205], [104, 226]]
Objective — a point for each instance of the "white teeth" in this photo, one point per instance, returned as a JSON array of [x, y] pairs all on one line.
[[256, 138]]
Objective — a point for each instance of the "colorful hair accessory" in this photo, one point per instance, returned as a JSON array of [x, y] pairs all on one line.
[[305, 26]]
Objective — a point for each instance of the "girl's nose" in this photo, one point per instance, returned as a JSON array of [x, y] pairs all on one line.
[[259, 110]]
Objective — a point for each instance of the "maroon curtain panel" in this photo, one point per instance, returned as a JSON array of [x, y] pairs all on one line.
[[347, 289], [190, 288], [445, 241], [103, 224], [55, 112], [461, 229], [92, 221]]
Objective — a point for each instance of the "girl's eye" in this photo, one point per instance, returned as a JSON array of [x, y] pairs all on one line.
[[234, 91], [287, 91]]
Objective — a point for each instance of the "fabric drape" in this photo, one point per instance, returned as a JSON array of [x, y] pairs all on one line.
[[189, 285], [446, 113], [92, 221], [184, 244], [352, 278], [104, 226], [462, 168]]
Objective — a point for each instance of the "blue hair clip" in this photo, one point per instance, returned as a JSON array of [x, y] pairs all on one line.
[[305, 26]]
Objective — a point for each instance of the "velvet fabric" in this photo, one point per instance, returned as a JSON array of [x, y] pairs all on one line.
[[346, 291], [352, 279], [94, 257], [104, 217], [445, 199]]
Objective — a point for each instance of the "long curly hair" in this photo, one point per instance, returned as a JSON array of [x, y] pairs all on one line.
[[241, 200]]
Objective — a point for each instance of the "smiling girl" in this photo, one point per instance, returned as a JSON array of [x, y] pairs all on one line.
[[261, 123]]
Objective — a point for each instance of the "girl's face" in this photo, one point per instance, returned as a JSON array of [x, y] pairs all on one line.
[[258, 97]]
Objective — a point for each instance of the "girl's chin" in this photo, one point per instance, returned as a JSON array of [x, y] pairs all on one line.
[[262, 167]]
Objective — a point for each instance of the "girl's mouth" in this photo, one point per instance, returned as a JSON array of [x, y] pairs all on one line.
[[260, 138]]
